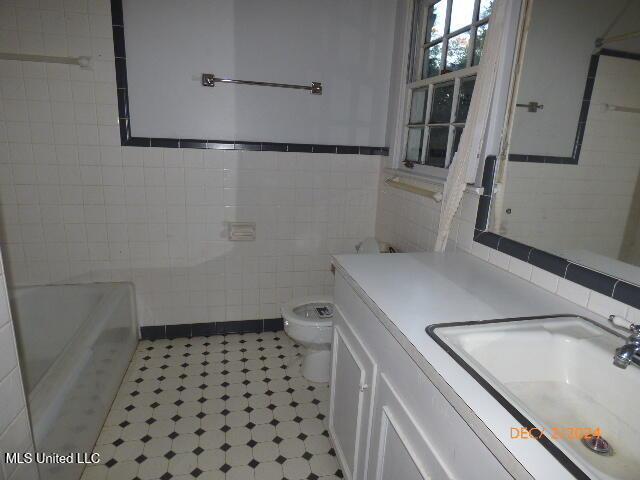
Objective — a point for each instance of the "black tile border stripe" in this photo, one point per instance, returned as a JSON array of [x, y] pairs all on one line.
[[124, 115], [514, 249], [620, 54], [157, 332], [484, 204], [597, 281], [549, 262], [591, 279], [517, 157], [627, 293]]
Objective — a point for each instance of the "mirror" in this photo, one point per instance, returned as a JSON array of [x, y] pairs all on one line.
[[572, 178]]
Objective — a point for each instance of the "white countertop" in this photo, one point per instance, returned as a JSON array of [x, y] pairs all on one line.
[[414, 290]]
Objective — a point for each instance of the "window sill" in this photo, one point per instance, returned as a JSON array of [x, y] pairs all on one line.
[[420, 177], [428, 179]]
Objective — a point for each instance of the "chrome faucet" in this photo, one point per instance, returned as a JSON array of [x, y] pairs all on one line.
[[624, 354]]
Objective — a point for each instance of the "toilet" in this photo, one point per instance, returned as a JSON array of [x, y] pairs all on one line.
[[309, 320]]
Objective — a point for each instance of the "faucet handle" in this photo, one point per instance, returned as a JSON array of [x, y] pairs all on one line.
[[621, 322]]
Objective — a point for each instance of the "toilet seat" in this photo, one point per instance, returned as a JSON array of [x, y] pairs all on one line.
[[289, 314], [306, 327]]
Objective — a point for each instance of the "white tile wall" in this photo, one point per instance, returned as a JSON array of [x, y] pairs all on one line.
[[405, 220], [409, 222], [158, 217], [15, 430], [78, 207], [585, 206]]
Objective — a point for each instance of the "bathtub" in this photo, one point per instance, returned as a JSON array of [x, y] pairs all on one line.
[[75, 344]]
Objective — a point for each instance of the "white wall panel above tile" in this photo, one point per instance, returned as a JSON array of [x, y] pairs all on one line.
[[345, 45]]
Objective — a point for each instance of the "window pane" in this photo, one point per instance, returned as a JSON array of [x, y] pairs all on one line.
[[481, 33], [432, 61], [435, 21], [485, 9], [418, 100], [461, 14], [464, 98], [414, 144], [437, 150], [457, 134], [457, 49], [442, 102]]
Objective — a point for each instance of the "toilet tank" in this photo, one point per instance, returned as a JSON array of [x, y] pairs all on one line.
[[371, 245]]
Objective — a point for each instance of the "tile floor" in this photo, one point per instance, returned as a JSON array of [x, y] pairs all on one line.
[[231, 407]]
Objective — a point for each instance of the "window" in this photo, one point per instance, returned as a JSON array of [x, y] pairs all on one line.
[[447, 41]]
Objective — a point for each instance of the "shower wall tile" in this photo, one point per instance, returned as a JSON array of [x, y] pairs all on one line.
[[11, 398], [77, 207], [15, 431], [8, 358], [17, 438]]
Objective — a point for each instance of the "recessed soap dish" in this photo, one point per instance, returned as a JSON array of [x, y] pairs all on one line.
[[242, 231]]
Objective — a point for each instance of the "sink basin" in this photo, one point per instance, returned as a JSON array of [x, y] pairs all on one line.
[[556, 374]]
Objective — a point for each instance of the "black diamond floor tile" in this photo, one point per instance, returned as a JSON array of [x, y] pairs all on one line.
[[222, 407]]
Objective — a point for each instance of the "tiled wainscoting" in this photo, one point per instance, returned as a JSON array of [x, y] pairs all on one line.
[[158, 217], [409, 222], [228, 407]]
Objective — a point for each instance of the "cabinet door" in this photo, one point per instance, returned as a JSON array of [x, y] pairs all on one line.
[[352, 384], [400, 449]]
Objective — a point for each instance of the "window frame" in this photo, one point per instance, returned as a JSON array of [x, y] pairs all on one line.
[[415, 48], [456, 77]]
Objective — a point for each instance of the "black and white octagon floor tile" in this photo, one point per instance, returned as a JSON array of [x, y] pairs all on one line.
[[231, 407]]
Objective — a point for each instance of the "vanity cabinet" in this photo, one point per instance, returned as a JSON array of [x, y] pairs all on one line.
[[400, 449], [387, 420], [354, 372]]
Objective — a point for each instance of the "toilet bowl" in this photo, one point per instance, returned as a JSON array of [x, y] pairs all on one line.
[[309, 321]]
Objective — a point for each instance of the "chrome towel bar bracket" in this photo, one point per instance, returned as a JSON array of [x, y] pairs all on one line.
[[210, 80], [531, 106]]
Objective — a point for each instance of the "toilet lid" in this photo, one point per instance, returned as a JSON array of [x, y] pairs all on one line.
[[317, 310]]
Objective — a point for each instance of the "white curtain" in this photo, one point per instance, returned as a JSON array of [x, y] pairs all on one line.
[[465, 162]]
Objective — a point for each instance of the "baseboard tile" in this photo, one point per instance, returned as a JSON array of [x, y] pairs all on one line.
[[156, 332]]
